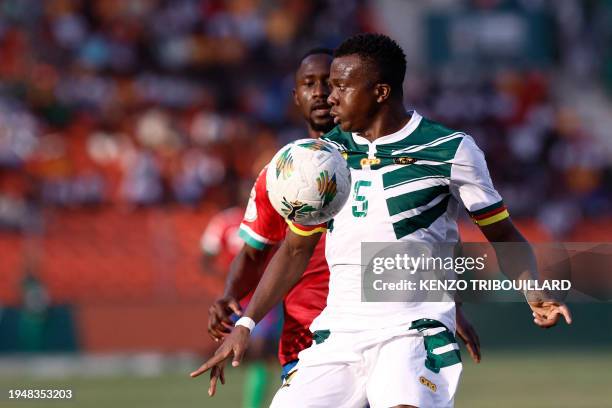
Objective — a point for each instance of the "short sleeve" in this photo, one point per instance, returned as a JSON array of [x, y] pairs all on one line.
[[261, 225], [471, 184]]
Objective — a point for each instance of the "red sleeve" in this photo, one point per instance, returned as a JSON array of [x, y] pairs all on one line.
[[261, 225]]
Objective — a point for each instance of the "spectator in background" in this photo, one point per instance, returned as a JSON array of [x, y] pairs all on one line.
[[151, 103]]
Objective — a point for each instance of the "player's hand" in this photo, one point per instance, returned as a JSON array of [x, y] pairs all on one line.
[[547, 313], [467, 333], [216, 374], [233, 346], [219, 323]]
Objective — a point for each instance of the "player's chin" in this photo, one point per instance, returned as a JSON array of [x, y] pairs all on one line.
[[322, 121], [344, 125]]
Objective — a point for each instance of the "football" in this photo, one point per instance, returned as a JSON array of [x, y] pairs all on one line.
[[308, 181]]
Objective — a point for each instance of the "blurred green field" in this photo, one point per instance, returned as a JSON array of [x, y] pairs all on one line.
[[503, 379]]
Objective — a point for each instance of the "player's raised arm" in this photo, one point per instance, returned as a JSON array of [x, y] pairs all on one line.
[[283, 271]]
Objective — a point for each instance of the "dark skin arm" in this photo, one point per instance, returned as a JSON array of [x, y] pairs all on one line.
[[519, 263], [502, 231], [282, 273], [244, 274], [467, 333]]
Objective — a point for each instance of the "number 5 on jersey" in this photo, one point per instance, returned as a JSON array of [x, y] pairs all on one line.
[[360, 208]]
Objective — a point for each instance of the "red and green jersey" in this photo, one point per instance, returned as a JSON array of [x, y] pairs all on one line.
[[261, 227]]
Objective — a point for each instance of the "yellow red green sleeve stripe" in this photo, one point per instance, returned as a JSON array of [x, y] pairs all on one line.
[[306, 230], [490, 214]]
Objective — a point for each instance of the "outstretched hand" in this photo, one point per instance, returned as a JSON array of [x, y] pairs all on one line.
[[546, 313], [216, 374], [234, 346]]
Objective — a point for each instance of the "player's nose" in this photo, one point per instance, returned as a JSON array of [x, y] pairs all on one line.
[[321, 90], [332, 100]]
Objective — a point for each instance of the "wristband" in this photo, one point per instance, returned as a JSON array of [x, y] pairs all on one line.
[[246, 322]]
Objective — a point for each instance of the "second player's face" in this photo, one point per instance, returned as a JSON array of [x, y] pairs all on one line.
[[353, 96], [312, 89]]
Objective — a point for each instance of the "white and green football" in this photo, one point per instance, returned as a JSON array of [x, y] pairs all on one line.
[[308, 181]]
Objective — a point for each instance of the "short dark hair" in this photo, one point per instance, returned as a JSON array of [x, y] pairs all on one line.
[[317, 50], [382, 51]]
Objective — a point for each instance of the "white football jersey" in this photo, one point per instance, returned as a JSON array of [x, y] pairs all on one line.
[[406, 187]]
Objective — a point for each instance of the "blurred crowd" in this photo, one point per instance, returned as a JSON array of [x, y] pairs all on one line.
[[149, 102], [541, 158]]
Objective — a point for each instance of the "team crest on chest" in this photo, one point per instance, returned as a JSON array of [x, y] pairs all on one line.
[[404, 160]]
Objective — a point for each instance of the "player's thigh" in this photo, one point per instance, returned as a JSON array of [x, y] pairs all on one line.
[[400, 376], [322, 386]]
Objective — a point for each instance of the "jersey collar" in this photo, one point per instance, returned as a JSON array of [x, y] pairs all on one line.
[[412, 124]]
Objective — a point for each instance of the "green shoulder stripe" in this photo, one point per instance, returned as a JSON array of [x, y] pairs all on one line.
[[412, 172], [434, 141], [443, 152], [427, 132]]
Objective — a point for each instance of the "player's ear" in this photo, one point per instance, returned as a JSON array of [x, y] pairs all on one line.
[[383, 92]]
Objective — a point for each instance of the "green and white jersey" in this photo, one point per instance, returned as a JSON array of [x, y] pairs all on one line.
[[405, 187]]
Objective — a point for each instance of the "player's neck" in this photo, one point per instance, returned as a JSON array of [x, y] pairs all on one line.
[[389, 120], [315, 134]]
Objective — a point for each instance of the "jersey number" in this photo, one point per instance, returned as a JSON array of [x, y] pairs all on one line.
[[360, 209]]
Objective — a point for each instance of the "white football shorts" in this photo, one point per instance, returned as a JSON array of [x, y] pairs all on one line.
[[417, 365]]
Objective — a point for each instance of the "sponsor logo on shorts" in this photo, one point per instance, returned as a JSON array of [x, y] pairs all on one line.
[[428, 383]]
